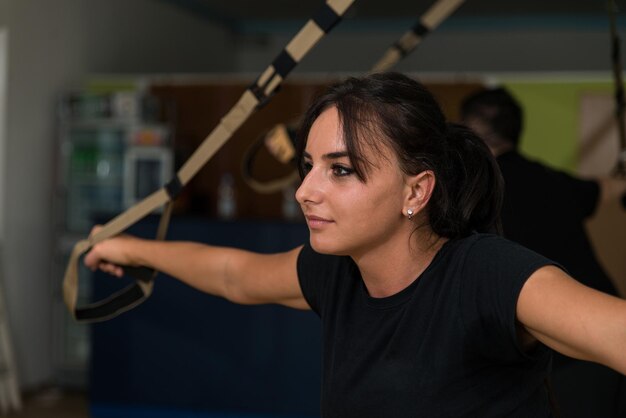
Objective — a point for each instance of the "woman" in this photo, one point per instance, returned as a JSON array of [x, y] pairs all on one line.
[[422, 314]]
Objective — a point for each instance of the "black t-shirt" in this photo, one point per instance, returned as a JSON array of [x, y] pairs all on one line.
[[545, 210], [445, 346]]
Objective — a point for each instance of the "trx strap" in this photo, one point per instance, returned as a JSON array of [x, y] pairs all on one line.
[[620, 105], [257, 95], [433, 17], [283, 139]]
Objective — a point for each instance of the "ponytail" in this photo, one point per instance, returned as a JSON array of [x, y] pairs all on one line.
[[468, 195]]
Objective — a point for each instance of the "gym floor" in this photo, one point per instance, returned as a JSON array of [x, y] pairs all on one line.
[[52, 403]]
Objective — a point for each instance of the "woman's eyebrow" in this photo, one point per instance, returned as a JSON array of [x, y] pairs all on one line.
[[335, 155], [329, 156]]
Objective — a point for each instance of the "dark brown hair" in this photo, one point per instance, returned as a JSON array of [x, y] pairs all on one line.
[[391, 109]]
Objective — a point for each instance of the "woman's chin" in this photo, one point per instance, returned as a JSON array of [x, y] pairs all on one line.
[[325, 247]]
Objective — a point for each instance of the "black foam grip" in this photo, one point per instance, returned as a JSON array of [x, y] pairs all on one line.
[[104, 310], [141, 273]]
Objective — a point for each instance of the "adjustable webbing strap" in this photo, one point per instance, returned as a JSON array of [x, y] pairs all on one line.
[[253, 98], [620, 104], [280, 141], [432, 18]]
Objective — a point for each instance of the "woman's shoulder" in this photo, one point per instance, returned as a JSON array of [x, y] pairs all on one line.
[[480, 240], [493, 255], [488, 249]]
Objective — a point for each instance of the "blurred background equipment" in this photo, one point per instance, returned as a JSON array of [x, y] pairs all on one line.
[[114, 147]]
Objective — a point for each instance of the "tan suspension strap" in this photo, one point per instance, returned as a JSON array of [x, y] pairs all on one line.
[[258, 94], [428, 22], [620, 105], [279, 140]]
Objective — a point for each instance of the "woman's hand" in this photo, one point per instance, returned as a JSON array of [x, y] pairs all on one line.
[[111, 254]]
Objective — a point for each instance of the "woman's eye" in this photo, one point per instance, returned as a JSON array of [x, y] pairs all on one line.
[[341, 171], [306, 167]]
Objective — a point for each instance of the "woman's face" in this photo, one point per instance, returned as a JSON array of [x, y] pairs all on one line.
[[345, 215]]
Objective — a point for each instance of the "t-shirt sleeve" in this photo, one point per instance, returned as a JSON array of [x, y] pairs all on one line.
[[310, 287], [317, 274], [494, 272]]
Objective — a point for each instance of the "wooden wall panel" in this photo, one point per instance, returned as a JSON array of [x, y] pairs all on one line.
[[198, 108]]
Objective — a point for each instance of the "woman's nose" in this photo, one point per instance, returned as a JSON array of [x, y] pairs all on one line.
[[307, 193]]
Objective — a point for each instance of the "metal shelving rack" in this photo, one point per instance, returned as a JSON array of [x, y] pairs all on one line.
[[95, 134]]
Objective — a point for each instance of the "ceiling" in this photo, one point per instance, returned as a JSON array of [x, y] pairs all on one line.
[[238, 13]]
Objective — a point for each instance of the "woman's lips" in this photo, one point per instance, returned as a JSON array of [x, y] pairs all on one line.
[[316, 222]]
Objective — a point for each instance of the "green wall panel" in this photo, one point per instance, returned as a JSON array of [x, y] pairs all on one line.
[[551, 108]]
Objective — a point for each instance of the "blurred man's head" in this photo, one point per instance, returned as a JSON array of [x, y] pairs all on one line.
[[495, 116]]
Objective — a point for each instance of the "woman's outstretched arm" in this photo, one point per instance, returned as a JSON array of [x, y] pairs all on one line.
[[240, 276], [574, 319]]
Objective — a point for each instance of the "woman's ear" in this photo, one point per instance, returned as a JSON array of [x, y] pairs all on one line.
[[419, 190]]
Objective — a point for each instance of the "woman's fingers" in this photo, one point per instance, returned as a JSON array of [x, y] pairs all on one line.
[[108, 255], [111, 269]]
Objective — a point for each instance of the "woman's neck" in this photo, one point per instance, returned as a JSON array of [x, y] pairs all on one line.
[[390, 269]]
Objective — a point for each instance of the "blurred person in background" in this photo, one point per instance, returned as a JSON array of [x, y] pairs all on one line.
[[545, 210]]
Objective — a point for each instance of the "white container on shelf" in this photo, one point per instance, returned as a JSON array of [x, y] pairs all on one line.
[[146, 169]]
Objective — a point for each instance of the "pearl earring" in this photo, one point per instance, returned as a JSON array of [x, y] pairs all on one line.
[[409, 213]]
